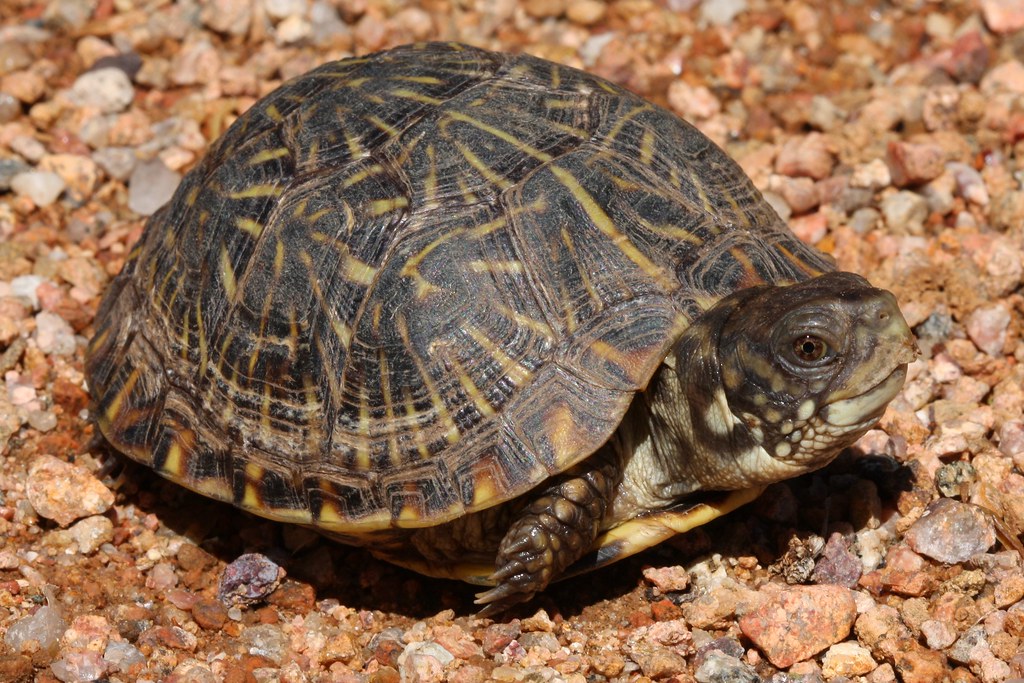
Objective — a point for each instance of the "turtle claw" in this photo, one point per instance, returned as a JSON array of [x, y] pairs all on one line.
[[499, 599]]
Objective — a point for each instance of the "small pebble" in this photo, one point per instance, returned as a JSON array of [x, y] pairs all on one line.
[[122, 656], [150, 186], [667, 579], [81, 175], [27, 286], [719, 667], [109, 90], [905, 212], [45, 627], [586, 12], [249, 579], [54, 335], [91, 533], [266, 640], [229, 16], [721, 12], [423, 661], [847, 659], [42, 187], [10, 167], [952, 532], [837, 564], [805, 156], [938, 634], [913, 164], [116, 162], [987, 326], [1003, 16], [64, 492]]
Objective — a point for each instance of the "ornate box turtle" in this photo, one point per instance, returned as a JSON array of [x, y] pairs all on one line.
[[491, 317]]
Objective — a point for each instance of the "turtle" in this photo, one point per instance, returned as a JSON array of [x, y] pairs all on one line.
[[491, 317]]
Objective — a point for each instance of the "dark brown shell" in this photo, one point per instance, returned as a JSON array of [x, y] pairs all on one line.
[[412, 285]]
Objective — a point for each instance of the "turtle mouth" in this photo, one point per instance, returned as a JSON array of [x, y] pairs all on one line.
[[867, 406]]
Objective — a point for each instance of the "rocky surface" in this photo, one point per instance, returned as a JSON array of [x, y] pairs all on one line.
[[887, 135]]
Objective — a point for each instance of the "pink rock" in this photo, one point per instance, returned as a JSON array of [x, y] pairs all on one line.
[[913, 164], [800, 622], [811, 228], [952, 532], [805, 156], [667, 579], [1003, 16], [987, 327], [1006, 77]]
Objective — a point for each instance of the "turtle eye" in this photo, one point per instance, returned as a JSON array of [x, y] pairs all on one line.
[[810, 349]]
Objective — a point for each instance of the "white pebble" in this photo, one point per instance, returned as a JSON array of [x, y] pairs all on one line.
[[25, 286], [721, 12], [42, 187], [150, 186], [109, 90], [54, 335], [282, 9]]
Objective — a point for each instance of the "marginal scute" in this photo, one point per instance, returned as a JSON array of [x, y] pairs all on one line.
[[415, 285]]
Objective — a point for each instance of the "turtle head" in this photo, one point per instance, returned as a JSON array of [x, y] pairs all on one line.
[[778, 379], [810, 367]]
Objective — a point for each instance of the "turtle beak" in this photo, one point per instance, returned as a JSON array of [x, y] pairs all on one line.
[[887, 345]]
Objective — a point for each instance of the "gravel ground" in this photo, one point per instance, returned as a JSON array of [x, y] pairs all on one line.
[[887, 133]]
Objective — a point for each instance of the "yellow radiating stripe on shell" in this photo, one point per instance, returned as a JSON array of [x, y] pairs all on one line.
[[249, 225], [379, 207], [451, 433], [362, 174], [509, 366], [262, 190], [413, 416], [382, 125], [500, 134], [203, 358], [603, 222], [671, 232], [472, 390], [174, 464], [114, 408], [407, 94], [622, 120], [362, 449], [425, 80], [265, 408], [359, 272], [647, 148], [556, 103], [227, 272], [496, 267], [352, 141], [492, 176], [272, 113], [265, 155], [430, 180], [250, 495], [278, 259]]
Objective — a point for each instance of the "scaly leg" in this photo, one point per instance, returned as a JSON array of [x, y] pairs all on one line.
[[548, 535]]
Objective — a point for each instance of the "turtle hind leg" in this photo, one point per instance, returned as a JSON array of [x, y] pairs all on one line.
[[553, 531]]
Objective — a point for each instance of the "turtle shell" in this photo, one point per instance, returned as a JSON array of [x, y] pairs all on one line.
[[413, 285]]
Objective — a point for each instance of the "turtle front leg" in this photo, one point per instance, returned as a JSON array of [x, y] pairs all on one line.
[[547, 536]]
